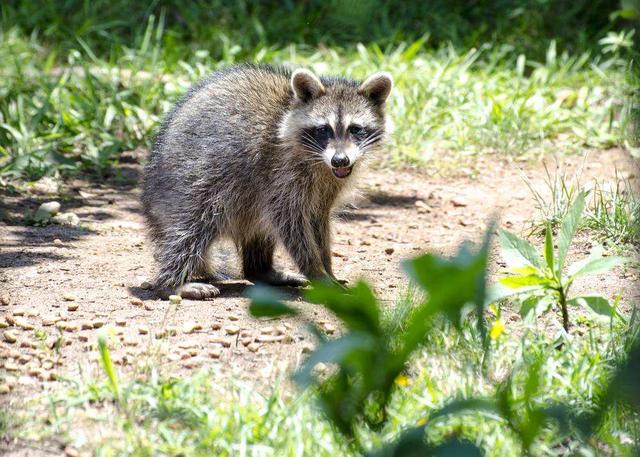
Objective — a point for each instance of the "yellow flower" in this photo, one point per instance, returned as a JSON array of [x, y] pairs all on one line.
[[402, 381], [420, 422], [497, 329]]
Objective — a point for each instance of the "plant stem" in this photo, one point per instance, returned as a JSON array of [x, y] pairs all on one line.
[[563, 308]]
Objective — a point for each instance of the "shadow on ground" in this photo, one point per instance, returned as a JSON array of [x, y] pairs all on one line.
[[228, 289]]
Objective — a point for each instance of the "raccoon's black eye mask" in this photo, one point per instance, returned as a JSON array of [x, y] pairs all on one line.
[[361, 134], [317, 136]]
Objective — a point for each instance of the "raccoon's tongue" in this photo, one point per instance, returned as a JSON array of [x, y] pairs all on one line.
[[341, 172]]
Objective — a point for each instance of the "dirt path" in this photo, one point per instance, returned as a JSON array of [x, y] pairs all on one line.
[[64, 285]]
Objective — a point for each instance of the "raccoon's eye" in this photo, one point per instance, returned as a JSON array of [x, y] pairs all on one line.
[[357, 131], [322, 133]]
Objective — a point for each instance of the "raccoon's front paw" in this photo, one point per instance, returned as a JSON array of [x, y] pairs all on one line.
[[281, 278], [197, 291]]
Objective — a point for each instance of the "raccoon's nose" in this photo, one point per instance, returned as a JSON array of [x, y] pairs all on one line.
[[339, 159]]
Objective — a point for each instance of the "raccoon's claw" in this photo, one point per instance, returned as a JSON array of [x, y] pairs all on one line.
[[198, 291], [281, 278]]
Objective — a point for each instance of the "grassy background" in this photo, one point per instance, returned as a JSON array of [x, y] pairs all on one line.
[[81, 82], [526, 25]]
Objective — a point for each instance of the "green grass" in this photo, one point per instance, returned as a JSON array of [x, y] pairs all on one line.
[[76, 112], [615, 213], [613, 207], [248, 24], [210, 413]]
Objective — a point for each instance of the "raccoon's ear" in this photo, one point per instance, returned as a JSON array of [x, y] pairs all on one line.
[[306, 86], [377, 87]]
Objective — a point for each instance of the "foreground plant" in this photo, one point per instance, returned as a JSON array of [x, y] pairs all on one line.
[[368, 361], [367, 358], [542, 282]]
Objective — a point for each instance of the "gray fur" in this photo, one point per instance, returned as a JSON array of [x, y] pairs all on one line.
[[231, 160]]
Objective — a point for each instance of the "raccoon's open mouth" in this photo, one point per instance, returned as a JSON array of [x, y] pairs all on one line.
[[342, 172]]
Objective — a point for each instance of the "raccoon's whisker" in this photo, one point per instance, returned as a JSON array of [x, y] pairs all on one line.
[[370, 140]]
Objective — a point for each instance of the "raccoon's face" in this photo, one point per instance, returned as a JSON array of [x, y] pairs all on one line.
[[336, 121]]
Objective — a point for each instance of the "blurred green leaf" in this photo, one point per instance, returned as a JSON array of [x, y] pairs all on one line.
[[266, 301], [356, 306]]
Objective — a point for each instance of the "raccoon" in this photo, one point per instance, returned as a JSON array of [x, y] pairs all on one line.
[[260, 155]]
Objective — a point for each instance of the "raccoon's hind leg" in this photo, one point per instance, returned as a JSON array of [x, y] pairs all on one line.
[[257, 263], [182, 255]]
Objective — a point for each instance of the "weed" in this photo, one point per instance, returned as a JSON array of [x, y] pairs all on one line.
[[541, 282], [554, 201], [614, 214]]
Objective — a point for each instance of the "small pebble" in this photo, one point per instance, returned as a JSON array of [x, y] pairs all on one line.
[[307, 347], [389, 251], [5, 300], [215, 353], [46, 211], [143, 330], [216, 326], [4, 389], [72, 307], [458, 202], [10, 337], [35, 372], [136, 302], [57, 242], [69, 297], [269, 338], [219, 340], [71, 452], [24, 324], [191, 327], [192, 363], [146, 285], [97, 323], [148, 306], [10, 366], [121, 322], [71, 327], [130, 341], [86, 325], [329, 328], [24, 358], [68, 219], [253, 347], [232, 329]]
